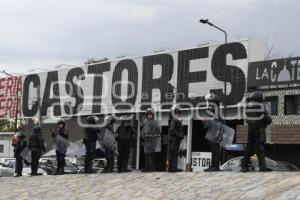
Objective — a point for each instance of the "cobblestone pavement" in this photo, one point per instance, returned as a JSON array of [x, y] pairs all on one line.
[[160, 185]]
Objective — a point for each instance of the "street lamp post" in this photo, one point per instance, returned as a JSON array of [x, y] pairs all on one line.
[[205, 21]]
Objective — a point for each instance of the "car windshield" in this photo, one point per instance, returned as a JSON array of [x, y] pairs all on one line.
[[10, 164], [271, 163], [69, 163]]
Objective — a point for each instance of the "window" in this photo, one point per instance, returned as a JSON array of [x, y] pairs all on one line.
[[1, 148], [272, 104], [292, 105]]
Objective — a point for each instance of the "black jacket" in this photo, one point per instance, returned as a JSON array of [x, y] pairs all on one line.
[[176, 129], [19, 146], [91, 134], [256, 118], [63, 133], [125, 133], [36, 140]]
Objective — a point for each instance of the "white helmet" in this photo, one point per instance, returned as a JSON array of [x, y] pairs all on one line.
[[175, 109], [109, 119], [149, 110]]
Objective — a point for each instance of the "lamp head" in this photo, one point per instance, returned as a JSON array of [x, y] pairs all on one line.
[[203, 21]]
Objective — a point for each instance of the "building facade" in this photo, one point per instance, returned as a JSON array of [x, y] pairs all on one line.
[[160, 80], [6, 148]]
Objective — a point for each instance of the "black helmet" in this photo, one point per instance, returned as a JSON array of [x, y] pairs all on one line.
[[92, 119], [257, 97], [61, 121], [37, 130]]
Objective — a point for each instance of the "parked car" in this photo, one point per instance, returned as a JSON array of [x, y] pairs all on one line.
[[5, 160], [8, 169], [235, 165], [50, 166], [98, 165], [288, 165]]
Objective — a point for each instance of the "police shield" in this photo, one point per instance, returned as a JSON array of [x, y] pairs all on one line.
[[109, 141], [60, 144], [219, 133], [26, 154], [73, 150], [227, 136]]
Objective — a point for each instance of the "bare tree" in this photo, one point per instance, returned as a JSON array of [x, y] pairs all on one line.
[[272, 52]]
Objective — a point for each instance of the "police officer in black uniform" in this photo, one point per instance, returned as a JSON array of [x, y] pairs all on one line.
[[90, 140], [215, 148], [37, 145], [176, 135], [61, 154], [124, 136], [258, 118], [19, 145]]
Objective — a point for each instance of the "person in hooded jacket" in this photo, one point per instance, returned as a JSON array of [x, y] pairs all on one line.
[[258, 118], [90, 141], [124, 136], [151, 138], [37, 146], [19, 145], [215, 147], [61, 153], [176, 134]]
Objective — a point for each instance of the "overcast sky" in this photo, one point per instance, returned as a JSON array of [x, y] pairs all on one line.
[[42, 34]]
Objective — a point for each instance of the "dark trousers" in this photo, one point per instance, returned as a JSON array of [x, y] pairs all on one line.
[[174, 152], [124, 151], [61, 162], [110, 159], [216, 154], [89, 156], [19, 164], [35, 157], [255, 144], [150, 161]]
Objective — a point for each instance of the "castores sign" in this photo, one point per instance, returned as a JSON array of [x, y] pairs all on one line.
[[274, 73], [133, 84]]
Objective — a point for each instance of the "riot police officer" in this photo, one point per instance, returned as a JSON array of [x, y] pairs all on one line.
[[151, 138], [215, 148], [257, 118], [36, 145], [176, 135], [62, 132], [109, 144], [90, 140], [19, 145], [124, 136]]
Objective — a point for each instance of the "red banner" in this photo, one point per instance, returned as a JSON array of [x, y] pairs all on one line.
[[10, 97]]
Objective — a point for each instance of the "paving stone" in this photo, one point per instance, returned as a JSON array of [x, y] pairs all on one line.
[[162, 186]]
